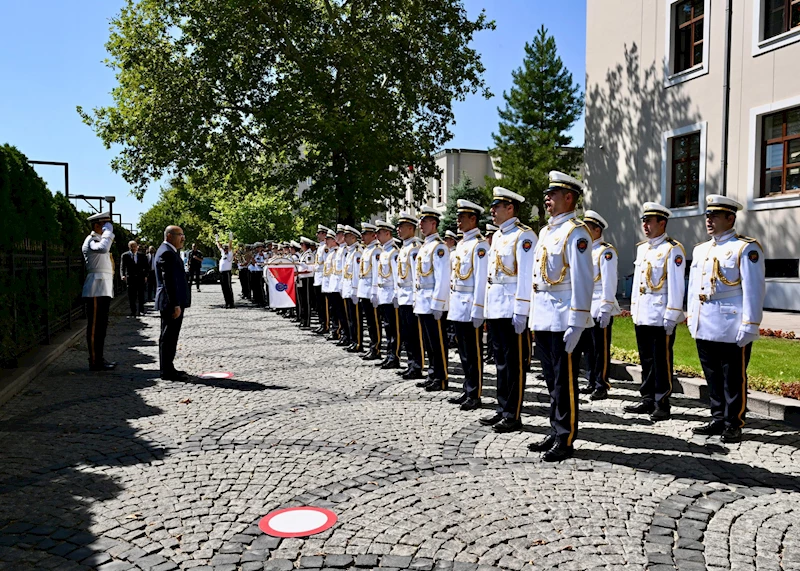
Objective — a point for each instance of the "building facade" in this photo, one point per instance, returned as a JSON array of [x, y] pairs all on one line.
[[660, 121]]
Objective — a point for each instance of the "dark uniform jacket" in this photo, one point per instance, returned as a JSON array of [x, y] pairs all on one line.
[[171, 287]]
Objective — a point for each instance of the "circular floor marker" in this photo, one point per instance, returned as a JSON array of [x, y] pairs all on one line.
[[217, 375], [297, 522]]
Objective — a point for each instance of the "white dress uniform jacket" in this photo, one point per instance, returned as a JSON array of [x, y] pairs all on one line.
[[604, 296], [406, 266], [432, 276], [658, 282], [328, 269], [370, 258], [350, 269], [384, 286], [305, 268], [726, 288], [338, 264], [510, 271], [99, 265], [563, 276], [319, 263], [468, 279], [225, 261]]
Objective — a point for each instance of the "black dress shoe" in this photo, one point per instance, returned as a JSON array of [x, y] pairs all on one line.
[[412, 374], [507, 425], [103, 367], [392, 364], [176, 376], [732, 435], [587, 390], [558, 453], [540, 377], [470, 404], [353, 348], [402, 372], [640, 408], [422, 384], [599, 394], [543, 445], [372, 356], [344, 342], [333, 337], [490, 420], [489, 361], [713, 428], [660, 414], [460, 399], [436, 385]]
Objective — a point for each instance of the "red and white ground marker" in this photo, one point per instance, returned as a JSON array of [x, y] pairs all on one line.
[[217, 375], [297, 522]]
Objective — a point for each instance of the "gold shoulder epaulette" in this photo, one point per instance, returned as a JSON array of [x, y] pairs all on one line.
[[578, 223], [640, 243], [519, 224], [749, 240]]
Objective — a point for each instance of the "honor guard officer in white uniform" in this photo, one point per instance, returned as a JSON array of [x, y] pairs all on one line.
[[350, 270], [596, 340], [657, 307], [305, 281], [451, 239], [508, 300], [726, 300], [367, 278], [98, 289], [410, 328], [431, 297], [319, 268], [490, 230], [341, 334], [563, 280], [328, 267], [384, 295], [467, 298]]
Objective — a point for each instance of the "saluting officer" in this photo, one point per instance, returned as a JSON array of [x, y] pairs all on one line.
[[350, 270], [384, 295], [431, 297], [467, 298], [657, 308], [410, 328], [367, 278], [563, 279], [726, 301], [98, 289], [508, 300], [319, 268], [596, 340]]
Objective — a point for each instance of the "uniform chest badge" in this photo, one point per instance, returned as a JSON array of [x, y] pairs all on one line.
[[583, 243], [678, 260], [753, 256], [527, 245]]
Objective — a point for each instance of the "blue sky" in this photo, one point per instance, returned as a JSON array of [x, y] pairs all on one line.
[[51, 55]]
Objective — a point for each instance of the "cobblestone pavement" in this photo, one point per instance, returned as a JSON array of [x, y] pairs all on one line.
[[126, 471]]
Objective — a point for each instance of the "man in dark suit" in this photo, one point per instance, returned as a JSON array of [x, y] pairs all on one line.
[[172, 297], [195, 264], [133, 270]]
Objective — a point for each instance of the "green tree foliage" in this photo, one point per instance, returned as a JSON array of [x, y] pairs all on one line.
[[357, 94], [465, 190], [541, 107]]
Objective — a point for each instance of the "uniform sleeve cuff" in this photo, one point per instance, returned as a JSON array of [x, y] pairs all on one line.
[[674, 315], [522, 307]]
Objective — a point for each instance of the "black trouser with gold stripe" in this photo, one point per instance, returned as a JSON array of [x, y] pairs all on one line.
[[353, 316], [725, 370], [304, 286], [411, 332], [561, 374], [96, 327], [373, 324], [390, 315], [507, 348], [433, 337], [655, 355], [470, 350], [322, 306], [595, 343], [338, 315]]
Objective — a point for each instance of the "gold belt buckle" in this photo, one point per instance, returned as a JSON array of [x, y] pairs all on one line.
[[703, 298], [489, 279], [536, 288], [642, 290]]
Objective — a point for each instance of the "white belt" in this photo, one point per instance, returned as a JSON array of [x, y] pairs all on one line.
[[386, 285], [644, 290], [547, 287], [501, 279], [424, 286], [717, 296], [463, 288]]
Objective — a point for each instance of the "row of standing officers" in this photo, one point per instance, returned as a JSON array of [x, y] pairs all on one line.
[[561, 286]]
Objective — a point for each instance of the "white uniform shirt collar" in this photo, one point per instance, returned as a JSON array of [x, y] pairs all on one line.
[[373, 243], [559, 219], [408, 242], [657, 241], [725, 236], [432, 237], [597, 242], [174, 249], [388, 245], [508, 225], [470, 234]]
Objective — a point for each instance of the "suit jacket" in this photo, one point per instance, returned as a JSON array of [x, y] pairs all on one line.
[[134, 265], [171, 288]]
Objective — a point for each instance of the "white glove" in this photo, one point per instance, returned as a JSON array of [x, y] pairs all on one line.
[[670, 325], [354, 299], [374, 300], [108, 227], [437, 315], [604, 319], [216, 237], [395, 303], [520, 322], [743, 338], [230, 235], [571, 337], [477, 322]]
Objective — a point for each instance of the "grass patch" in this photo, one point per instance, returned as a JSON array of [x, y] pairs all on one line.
[[774, 362]]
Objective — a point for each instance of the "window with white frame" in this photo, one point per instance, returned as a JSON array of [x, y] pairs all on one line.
[[683, 169], [438, 193], [686, 40], [776, 23]]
